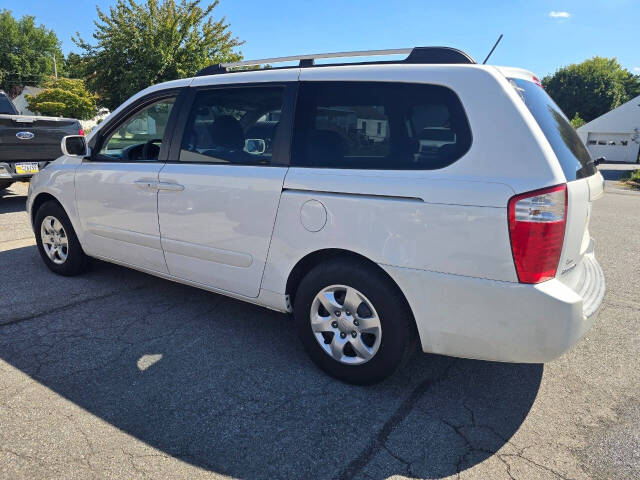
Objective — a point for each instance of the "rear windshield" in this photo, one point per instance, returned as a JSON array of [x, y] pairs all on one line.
[[571, 152], [6, 106]]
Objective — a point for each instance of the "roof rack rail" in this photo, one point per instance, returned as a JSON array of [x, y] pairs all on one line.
[[415, 55]]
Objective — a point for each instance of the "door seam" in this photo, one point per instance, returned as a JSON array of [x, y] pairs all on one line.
[[164, 256], [273, 228]]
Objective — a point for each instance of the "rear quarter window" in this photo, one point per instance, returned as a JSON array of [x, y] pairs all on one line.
[[572, 154], [378, 125]]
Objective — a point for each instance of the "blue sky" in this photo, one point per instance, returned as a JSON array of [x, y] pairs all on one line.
[[538, 35]]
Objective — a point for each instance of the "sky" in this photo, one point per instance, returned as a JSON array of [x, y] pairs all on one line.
[[538, 35]]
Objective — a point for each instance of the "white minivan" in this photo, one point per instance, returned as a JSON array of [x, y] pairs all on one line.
[[380, 202]]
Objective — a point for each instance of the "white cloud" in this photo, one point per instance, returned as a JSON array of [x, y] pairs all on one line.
[[554, 14], [636, 69]]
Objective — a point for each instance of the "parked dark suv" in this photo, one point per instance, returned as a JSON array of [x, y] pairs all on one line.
[[28, 143]]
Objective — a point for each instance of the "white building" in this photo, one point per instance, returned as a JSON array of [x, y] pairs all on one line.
[[375, 129], [614, 135], [88, 125], [21, 102]]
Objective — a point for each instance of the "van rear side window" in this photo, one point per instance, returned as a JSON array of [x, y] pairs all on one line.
[[573, 156], [376, 125]]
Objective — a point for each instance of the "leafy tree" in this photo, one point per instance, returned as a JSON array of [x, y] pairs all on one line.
[[26, 52], [577, 121], [75, 66], [631, 83], [592, 87], [64, 97], [140, 44]]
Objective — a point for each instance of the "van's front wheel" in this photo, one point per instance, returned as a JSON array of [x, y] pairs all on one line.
[[57, 241], [353, 321]]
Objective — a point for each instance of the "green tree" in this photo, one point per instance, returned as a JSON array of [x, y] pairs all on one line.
[[141, 44], [592, 87], [577, 121], [26, 52], [75, 66], [64, 97], [631, 83]]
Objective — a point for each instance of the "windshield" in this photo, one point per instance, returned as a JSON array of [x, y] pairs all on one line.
[[571, 152]]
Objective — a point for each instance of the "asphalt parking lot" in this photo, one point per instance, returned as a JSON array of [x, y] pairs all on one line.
[[117, 374]]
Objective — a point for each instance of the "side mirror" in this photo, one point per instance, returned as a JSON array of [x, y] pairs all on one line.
[[255, 146], [75, 146]]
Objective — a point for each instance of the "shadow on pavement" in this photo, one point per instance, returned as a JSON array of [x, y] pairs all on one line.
[[226, 386], [11, 203], [613, 174], [615, 171]]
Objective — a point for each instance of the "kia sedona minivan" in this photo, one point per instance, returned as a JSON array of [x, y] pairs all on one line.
[[380, 203]]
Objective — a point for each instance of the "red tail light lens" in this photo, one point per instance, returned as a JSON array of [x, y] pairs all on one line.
[[537, 222], [81, 132]]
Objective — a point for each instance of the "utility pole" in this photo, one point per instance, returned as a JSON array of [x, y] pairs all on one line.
[[55, 67]]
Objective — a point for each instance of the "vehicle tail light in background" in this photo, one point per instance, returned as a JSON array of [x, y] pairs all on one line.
[[537, 81], [537, 222], [81, 132]]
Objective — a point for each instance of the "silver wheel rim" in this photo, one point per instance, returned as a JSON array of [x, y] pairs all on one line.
[[345, 324], [54, 240]]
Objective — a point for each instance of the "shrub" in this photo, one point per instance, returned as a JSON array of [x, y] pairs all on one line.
[[64, 97]]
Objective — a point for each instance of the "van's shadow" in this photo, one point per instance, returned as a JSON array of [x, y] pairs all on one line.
[[226, 386], [11, 202], [615, 174]]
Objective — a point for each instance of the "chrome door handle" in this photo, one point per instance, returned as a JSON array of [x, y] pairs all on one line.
[[170, 186], [146, 184]]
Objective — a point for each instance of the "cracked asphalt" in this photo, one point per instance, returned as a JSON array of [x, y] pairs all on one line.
[[117, 374]]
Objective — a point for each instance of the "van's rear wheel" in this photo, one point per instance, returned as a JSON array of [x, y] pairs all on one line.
[[353, 321], [57, 241]]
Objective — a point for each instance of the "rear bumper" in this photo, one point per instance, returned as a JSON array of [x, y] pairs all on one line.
[[501, 321], [8, 170]]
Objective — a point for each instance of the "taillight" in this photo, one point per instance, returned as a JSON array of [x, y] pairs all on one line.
[[81, 132], [537, 222]]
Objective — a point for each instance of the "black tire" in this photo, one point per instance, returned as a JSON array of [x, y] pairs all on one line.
[[76, 261], [397, 324]]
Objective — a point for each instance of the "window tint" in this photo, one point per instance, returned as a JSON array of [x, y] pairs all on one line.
[[234, 125], [139, 137], [393, 126], [571, 152], [6, 106]]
